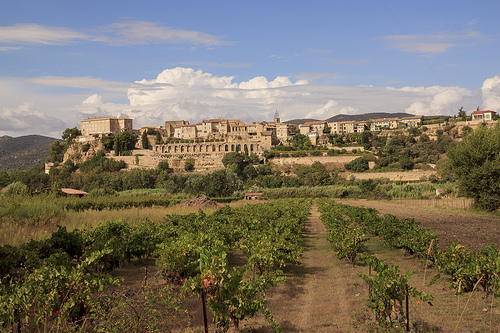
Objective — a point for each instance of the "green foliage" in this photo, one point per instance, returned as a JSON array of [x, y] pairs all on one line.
[[163, 166], [16, 188], [56, 151], [347, 236], [236, 162], [63, 292], [360, 164], [388, 290], [301, 142], [189, 164], [70, 134], [100, 163], [475, 161], [145, 140]]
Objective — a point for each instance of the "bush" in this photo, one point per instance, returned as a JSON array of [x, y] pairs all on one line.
[[189, 164], [358, 165]]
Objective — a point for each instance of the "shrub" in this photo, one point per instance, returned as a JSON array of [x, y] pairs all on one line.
[[358, 165], [189, 164]]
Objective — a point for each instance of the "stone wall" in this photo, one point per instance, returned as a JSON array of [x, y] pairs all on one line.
[[309, 160], [208, 147]]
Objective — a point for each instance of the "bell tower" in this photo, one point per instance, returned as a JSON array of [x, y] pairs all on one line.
[[276, 117]]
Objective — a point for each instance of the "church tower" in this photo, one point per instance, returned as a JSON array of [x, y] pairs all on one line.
[[276, 117]]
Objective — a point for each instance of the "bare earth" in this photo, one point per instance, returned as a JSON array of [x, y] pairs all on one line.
[[473, 231]]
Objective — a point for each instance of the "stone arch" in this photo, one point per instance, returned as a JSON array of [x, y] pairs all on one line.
[[182, 148], [226, 148], [238, 148], [232, 147], [251, 147]]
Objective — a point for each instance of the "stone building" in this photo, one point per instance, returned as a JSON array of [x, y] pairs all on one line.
[[106, 125]]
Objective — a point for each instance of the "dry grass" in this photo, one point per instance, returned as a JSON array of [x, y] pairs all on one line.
[[15, 234]]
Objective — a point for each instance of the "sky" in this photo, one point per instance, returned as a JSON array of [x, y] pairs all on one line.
[[64, 61]]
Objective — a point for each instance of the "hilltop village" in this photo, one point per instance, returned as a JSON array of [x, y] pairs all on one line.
[[209, 140]]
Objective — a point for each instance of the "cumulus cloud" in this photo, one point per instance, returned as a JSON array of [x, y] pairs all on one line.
[[27, 119], [187, 94], [435, 100], [491, 94], [329, 109], [204, 95]]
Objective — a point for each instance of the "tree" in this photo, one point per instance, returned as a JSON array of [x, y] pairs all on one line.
[[116, 147], [144, 140], [125, 140], [56, 151], [462, 113], [475, 162], [236, 162], [70, 134], [189, 164], [163, 166], [158, 140], [358, 165]]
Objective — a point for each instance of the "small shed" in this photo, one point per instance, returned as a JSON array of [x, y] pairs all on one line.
[[70, 191], [252, 196]]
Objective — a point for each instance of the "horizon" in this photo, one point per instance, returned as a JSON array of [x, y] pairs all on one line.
[[156, 61], [58, 138]]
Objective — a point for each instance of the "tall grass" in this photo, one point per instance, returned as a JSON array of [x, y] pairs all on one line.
[[31, 210]]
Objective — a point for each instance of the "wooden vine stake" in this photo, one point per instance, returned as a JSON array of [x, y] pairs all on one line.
[[204, 304], [407, 328]]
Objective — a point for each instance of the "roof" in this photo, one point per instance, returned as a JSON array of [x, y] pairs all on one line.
[[102, 118], [481, 112], [72, 191]]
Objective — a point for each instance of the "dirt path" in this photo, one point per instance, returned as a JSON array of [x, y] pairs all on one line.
[[318, 294]]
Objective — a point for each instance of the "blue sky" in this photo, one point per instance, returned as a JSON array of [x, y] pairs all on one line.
[[63, 61]]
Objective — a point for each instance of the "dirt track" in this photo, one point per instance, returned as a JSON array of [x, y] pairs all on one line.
[[317, 295], [472, 230]]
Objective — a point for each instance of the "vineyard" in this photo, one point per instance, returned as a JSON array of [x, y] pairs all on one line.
[[60, 283], [267, 267]]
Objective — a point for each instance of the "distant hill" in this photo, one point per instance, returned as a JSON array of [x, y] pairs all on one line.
[[21, 153], [355, 117], [299, 121]]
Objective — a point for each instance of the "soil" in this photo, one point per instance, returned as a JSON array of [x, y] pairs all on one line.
[[472, 230], [317, 295], [200, 200]]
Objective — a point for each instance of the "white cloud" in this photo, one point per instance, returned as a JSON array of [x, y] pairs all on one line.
[[491, 94], [429, 44], [27, 119], [435, 100], [120, 33], [39, 34], [183, 93], [81, 83], [329, 109], [143, 32]]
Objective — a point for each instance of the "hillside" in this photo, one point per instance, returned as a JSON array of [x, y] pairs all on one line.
[[21, 153], [354, 117]]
